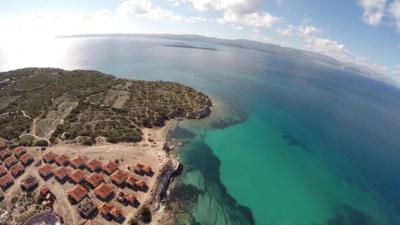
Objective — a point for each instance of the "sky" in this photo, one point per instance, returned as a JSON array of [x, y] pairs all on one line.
[[364, 32]]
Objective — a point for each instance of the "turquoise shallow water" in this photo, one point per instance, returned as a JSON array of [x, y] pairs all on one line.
[[290, 143]]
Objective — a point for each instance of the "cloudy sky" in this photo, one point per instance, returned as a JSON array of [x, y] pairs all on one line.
[[365, 32]]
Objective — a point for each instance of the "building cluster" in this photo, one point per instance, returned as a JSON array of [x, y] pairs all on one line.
[[93, 179], [12, 165]]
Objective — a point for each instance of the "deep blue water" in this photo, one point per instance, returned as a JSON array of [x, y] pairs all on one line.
[[339, 128]]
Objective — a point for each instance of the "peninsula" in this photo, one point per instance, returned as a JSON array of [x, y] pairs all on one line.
[[84, 147]]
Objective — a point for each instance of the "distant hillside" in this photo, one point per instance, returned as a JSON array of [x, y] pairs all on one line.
[[54, 104]]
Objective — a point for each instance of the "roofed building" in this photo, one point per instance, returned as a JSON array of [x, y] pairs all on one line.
[[46, 171], [94, 165], [49, 157], [110, 167], [62, 160], [94, 180], [10, 161], [26, 159], [119, 177], [61, 174], [131, 182], [104, 192], [131, 199], [29, 184], [6, 181], [141, 185], [18, 151], [86, 207], [77, 193], [116, 213], [105, 209], [143, 170], [17, 170], [78, 162], [91, 222], [3, 171], [77, 176], [5, 153]]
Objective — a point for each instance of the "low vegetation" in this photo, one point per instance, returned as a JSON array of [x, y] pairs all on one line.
[[66, 105]]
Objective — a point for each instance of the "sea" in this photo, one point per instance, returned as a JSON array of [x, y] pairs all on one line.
[[289, 141]]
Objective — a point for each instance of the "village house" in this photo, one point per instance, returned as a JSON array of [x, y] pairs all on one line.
[[94, 165], [141, 185], [110, 168], [6, 181], [104, 192], [4, 154], [119, 177], [78, 162], [49, 157], [86, 207], [131, 182], [17, 170], [3, 171], [143, 170], [62, 160], [18, 151], [105, 209], [10, 161], [132, 200], [77, 193], [91, 222], [46, 171], [116, 214], [94, 180], [29, 184], [61, 174], [77, 176], [26, 159]]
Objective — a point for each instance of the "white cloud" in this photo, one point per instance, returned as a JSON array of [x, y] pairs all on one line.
[[146, 9], [394, 10], [236, 6], [374, 10], [255, 19], [298, 30], [237, 12]]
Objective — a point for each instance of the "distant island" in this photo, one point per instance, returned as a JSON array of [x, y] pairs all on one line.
[[183, 45], [82, 105]]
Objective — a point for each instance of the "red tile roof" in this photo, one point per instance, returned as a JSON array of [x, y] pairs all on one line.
[[78, 162], [5, 153], [26, 159], [141, 184], [131, 181], [17, 170], [6, 181], [103, 191], [110, 167], [119, 177], [105, 209], [94, 165], [95, 179], [49, 157], [46, 170], [3, 171], [29, 183], [61, 173], [131, 198], [77, 193], [77, 176], [62, 160], [18, 151], [116, 212], [10, 161]]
